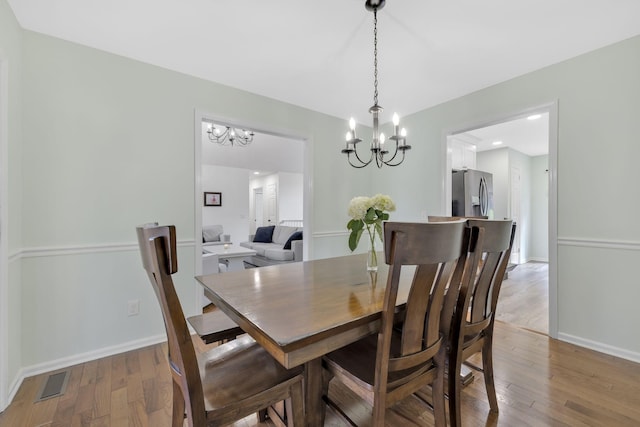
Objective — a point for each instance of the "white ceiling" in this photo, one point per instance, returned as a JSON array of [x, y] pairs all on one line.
[[530, 137], [266, 154], [319, 55]]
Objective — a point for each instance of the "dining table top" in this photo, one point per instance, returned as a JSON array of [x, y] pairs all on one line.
[[300, 311]]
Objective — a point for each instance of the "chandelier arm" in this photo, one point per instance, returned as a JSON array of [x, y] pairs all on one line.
[[355, 151], [388, 163], [395, 153], [362, 164]]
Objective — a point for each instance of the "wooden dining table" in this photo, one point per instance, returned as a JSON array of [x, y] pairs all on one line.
[[303, 310]]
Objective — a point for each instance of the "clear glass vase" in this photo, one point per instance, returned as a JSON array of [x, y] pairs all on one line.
[[372, 259]]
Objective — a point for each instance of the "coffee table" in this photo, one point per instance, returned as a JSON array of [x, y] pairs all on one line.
[[232, 254]]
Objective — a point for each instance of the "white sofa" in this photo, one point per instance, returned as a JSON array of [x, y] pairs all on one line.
[[273, 252], [213, 235]]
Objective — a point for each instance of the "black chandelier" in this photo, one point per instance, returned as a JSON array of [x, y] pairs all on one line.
[[379, 151], [229, 135]]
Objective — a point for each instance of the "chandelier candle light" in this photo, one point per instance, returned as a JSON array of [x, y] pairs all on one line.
[[229, 135], [378, 149]]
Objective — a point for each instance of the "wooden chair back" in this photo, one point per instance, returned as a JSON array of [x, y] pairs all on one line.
[[435, 218], [473, 321], [481, 296], [159, 259], [417, 356]]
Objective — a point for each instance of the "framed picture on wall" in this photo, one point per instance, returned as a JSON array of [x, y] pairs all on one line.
[[212, 199]]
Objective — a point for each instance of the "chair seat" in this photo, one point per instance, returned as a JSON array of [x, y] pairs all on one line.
[[239, 370], [359, 361], [214, 326]]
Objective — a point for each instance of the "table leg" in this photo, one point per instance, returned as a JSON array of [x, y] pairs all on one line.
[[313, 392], [235, 264]]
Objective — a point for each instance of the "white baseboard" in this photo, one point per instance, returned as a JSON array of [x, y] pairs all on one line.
[[534, 259], [76, 359], [602, 348]]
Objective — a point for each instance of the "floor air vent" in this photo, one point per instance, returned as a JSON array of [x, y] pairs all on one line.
[[54, 386]]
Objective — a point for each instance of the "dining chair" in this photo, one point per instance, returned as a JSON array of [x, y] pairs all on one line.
[[214, 326], [226, 383], [474, 315], [386, 367]]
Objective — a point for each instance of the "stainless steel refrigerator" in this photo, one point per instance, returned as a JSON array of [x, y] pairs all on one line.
[[471, 193]]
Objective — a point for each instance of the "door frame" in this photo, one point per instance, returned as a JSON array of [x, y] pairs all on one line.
[[307, 197], [551, 108], [4, 247]]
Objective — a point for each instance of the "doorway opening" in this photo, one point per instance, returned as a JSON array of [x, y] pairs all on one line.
[[263, 183], [520, 152]]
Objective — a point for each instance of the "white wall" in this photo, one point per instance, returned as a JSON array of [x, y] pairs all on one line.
[[233, 215], [539, 246], [290, 195], [522, 163]]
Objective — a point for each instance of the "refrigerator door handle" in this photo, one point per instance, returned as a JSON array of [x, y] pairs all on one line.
[[483, 197]]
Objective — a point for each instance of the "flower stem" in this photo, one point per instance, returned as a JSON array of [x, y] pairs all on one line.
[[372, 241]]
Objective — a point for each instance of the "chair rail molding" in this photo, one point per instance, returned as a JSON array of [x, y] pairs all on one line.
[[50, 251], [582, 242]]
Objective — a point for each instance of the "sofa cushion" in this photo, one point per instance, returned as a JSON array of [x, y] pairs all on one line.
[[295, 236], [260, 248], [264, 234], [211, 233], [278, 254], [282, 232]]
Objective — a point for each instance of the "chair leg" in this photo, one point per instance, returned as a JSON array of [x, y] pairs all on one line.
[[178, 406], [326, 379], [379, 409], [454, 390], [487, 367], [437, 393], [294, 405]]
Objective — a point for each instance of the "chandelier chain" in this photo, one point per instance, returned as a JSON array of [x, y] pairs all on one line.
[[375, 57], [393, 152]]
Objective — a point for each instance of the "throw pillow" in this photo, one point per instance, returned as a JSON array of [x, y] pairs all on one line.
[[295, 236], [211, 233], [264, 234]]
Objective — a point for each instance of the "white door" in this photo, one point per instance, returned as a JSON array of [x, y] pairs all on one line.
[[271, 213], [258, 209]]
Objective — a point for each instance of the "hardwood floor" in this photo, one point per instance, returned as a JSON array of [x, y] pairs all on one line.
[[524, 297], [540, 382]]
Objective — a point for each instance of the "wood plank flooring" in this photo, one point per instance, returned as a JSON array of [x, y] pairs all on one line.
[[540, 382], [524, 297]]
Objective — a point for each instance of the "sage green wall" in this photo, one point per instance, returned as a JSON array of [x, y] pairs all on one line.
[[599, 104], [10, 176], [110, 144]]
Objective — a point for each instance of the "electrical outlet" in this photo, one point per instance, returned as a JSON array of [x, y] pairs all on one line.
[[133, 307]]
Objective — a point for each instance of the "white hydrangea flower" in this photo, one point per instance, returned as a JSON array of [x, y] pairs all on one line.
[[358, 207], [382, 202]]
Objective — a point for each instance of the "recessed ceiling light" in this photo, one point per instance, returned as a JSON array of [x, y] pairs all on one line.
[[496, 143], [256, 173], [534, 117]]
